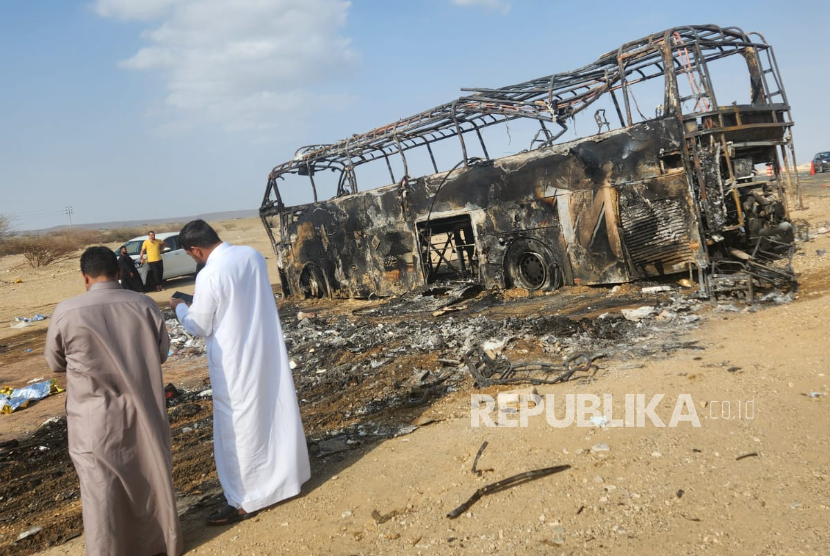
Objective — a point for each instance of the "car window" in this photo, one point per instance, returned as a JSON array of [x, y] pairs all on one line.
[[172, 242], [823, 155], [133, 247]]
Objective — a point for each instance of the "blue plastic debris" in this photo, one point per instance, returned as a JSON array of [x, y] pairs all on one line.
[[12, 399], [31, 319]]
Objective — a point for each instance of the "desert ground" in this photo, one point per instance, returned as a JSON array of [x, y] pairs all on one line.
[[386, 404]]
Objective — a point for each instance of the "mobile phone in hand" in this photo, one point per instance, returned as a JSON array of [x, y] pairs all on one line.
[[183, 296]]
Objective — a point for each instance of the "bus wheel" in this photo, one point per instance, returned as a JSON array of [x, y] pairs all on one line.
[[313, 281], [529, 264]]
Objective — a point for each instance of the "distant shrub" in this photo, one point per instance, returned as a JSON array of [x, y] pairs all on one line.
[[170, 227], [5, 226], [40, 250], [229, 226], [77, 239], [120, 235]]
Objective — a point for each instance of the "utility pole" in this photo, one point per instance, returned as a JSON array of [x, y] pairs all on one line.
[[69, 214]]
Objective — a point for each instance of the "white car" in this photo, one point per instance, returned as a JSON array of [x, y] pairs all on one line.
[[176, 261]]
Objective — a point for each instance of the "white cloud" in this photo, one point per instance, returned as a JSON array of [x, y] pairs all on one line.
[[499, 5], [244, 63], [134, 9]]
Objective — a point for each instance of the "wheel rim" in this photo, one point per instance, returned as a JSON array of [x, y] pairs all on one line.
[[532, 270]]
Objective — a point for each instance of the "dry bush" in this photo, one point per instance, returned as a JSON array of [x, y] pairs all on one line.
[[84, 238], [120, 235], [5, 232], [5, 226], [78, 238], [40, 250], [170, 227]]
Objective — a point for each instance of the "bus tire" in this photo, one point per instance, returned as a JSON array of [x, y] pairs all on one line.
[[530, 264]]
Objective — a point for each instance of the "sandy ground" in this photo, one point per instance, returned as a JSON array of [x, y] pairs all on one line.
[[752, 479]]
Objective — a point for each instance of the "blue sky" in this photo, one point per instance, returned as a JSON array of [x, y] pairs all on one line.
[[141, 109]]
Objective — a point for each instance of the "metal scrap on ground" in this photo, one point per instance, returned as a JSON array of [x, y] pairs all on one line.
[[504, 484], [478, 455], [487, 371]]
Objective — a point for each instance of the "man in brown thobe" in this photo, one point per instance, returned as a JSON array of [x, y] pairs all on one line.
[[111, 343]]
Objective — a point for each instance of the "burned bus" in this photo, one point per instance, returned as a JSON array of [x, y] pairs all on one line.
[[675, 179]]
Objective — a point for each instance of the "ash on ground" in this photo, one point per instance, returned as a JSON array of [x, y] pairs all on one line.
[[365, 371]]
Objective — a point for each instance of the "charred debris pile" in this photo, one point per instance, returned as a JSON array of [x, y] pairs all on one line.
[[369, 373], [366, 373], [358, 368]]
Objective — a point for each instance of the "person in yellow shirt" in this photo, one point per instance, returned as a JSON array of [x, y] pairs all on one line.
[[154, 248]]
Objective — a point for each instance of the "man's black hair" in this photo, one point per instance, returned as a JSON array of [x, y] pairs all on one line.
[[99, 261], [198, 233]]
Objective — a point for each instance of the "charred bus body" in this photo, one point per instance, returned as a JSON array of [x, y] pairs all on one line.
[[647, 197]]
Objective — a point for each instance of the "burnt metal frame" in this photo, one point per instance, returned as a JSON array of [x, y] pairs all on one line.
[[551, 99], [556, 98]]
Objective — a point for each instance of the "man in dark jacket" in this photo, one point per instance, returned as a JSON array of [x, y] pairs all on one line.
[[130, 280]]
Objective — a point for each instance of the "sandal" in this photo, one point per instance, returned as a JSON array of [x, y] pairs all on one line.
[[228, 514]]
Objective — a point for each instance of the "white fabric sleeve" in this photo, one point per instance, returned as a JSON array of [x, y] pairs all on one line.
[[198, 319]]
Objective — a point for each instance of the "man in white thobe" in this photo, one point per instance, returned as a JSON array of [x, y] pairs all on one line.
[[259, 443]]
